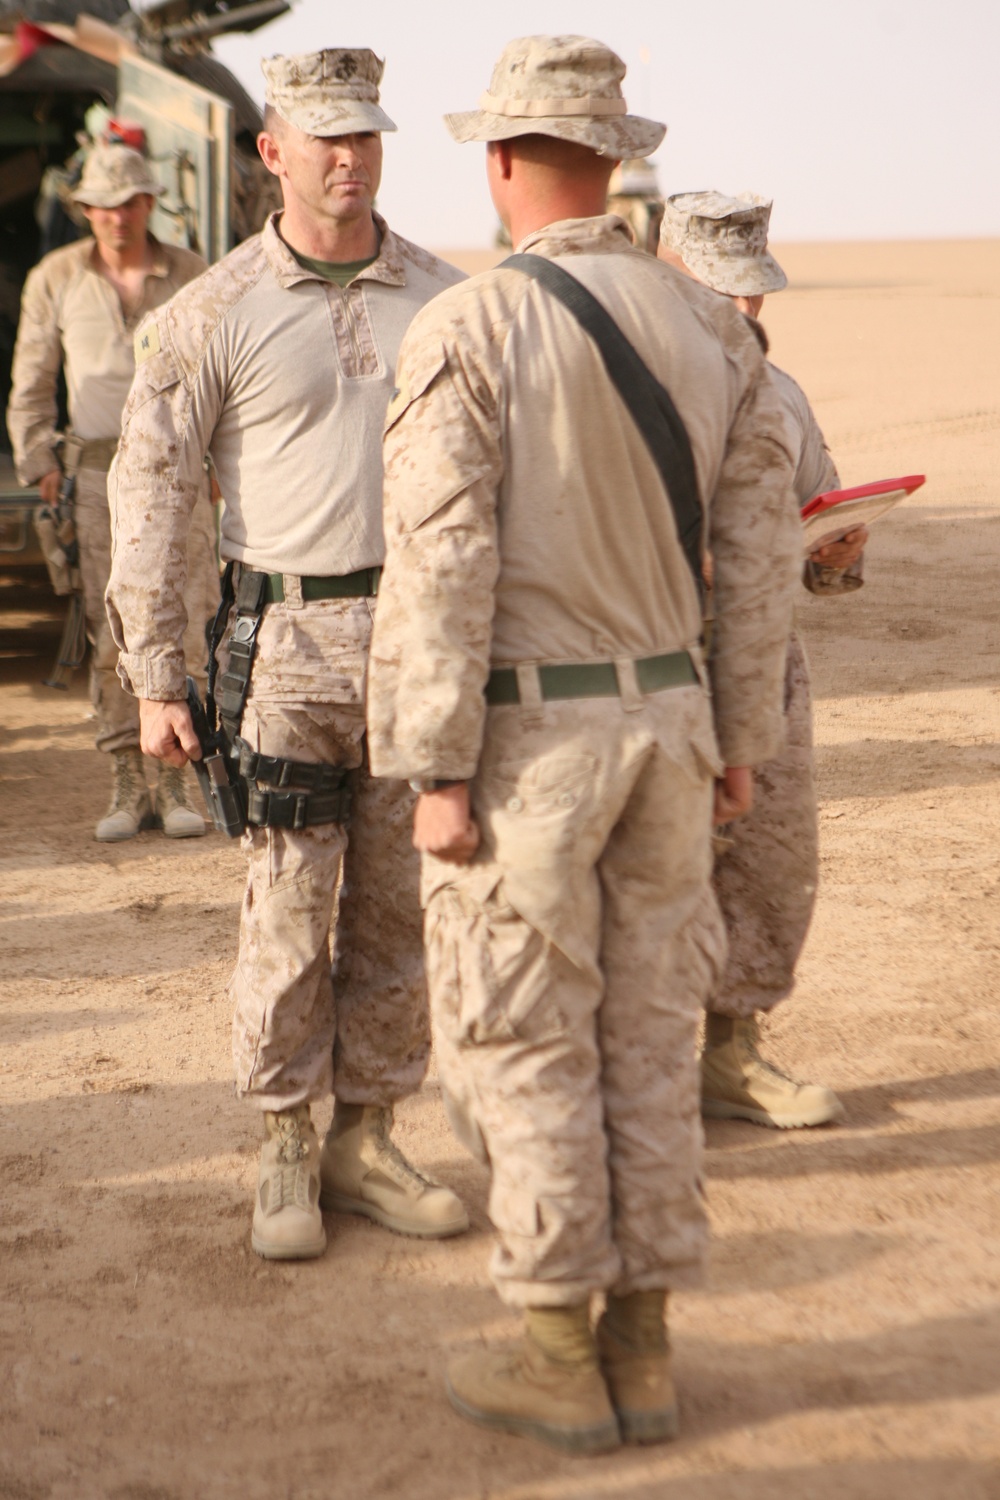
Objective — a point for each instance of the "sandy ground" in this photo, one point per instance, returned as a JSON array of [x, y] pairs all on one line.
[[847, 1343]]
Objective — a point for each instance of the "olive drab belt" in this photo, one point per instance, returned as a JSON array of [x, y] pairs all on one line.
[[597, 679], [360, 585], [295, 794], [98, 454], [76, 453]]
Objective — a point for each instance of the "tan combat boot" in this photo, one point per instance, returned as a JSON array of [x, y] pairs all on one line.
[[287, 1224], [174, 813], [365, 1173], [738, 1084], [130, 811], [549, 1386], [635, 1358]]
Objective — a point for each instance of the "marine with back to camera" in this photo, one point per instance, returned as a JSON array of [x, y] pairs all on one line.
[[537, 671]]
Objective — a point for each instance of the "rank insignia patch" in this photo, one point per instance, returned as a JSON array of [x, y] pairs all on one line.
[[147, 343]]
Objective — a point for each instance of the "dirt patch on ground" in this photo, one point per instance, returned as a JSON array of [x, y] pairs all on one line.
[[847, 1343]]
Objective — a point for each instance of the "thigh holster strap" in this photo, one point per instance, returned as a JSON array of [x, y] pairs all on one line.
[[276, 771], [297, 810]]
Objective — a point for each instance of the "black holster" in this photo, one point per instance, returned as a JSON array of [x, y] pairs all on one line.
[[224, 793], [322, 792]]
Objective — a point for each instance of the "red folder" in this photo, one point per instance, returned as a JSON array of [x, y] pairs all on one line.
[[830, 516]]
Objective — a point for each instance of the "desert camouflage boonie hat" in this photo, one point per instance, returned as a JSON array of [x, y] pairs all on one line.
[[114, 174], [565, 86], [723, 241], [333, 92]]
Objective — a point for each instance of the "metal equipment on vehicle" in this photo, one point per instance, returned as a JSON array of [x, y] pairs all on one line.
[[69, 74]]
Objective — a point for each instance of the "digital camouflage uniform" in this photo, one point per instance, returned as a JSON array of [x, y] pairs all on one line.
[[767, 872], [568, 963], [768, 866], [72, 319], [766, 877], [284, 378]]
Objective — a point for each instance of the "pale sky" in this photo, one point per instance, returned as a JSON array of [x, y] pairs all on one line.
[[863, 119]]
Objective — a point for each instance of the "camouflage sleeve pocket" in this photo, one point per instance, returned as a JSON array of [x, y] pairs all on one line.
[[156, 364], [415, 373], [438, 443]]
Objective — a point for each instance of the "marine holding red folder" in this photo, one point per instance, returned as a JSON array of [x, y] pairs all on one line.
[[767, 868]]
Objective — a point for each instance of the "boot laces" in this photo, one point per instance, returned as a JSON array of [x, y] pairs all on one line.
[[761, 1065], [391, 1160], [172, 786], [289, 1182], [289, 1188], [291, 1147], [126, 782]]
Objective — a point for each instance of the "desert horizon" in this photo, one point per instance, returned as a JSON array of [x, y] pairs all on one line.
[[473, 259]]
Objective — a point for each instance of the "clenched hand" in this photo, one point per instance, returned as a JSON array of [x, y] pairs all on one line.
[[443, 825], [733, 794], [166, 731]]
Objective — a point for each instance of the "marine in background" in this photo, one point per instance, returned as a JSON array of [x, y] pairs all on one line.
[[634, 194], [280, 362], [767, 870], [80, 309]]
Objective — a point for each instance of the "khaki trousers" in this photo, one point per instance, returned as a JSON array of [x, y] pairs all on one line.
[[567, 967], [116, 710], [766, 882], [299, 1031]]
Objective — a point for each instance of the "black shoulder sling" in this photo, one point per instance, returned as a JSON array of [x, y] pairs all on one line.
[[652, 408]]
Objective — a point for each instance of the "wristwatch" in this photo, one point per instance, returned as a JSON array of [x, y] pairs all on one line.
[[431, 784]]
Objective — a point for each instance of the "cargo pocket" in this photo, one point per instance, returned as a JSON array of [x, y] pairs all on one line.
[[686, 734], [486, 966]]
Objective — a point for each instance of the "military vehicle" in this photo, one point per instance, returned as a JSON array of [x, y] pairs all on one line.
[[69, 74]]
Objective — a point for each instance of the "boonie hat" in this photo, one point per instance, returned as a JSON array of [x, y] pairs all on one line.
[[112, 175], [564, 86], [333, 92], [723, 241]]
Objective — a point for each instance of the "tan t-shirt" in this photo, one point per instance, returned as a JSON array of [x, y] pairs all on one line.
[[284, 378]]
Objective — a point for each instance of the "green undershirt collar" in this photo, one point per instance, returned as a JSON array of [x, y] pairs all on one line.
[[340, 272]]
